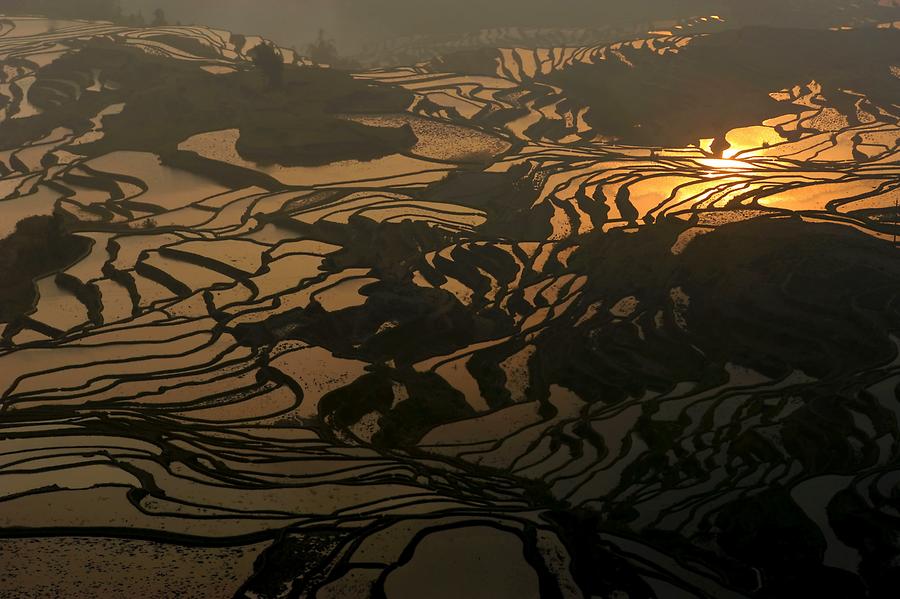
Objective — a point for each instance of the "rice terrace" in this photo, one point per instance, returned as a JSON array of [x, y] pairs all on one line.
[[597, 301]]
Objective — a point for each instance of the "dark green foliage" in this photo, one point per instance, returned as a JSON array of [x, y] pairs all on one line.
[[432, 401], [770, 296], [268, 59], [873, 533], [39, 246], [159, 18], [772, 534], [598, 571], [188, 44], [506, 197], [323, 50], [370, 392], [292, 560]]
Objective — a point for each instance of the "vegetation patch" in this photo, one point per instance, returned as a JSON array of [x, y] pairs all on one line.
[[39, 246]]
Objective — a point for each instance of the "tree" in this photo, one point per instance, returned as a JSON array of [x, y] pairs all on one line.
[[137, 20], [323, 50], [267, 59], [159, 18]]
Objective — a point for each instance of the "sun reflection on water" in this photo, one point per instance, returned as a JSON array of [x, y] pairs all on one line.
[[725, 164]]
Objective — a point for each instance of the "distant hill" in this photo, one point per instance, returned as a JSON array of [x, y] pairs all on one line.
[[359, 26]]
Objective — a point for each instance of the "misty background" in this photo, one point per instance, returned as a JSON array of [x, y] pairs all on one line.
[[373, 31], [355, 23]]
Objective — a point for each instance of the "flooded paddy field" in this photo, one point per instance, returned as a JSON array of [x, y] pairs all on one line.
[[473, 327]]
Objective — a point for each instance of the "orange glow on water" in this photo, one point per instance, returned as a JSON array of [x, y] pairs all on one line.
[[724, 164]]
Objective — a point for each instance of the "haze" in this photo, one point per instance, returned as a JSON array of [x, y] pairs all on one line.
[[354, 23]]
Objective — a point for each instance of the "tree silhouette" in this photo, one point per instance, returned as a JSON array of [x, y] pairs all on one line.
[[159, 18], [323, 50], [267, 59]]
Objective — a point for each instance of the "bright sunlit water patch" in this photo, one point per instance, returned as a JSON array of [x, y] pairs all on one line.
[[725, 164], [749, 138]]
